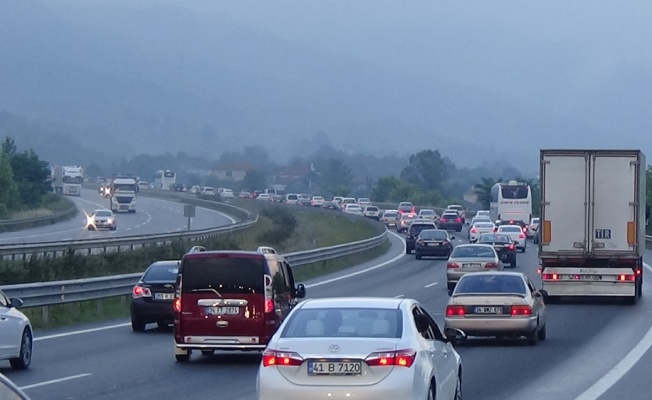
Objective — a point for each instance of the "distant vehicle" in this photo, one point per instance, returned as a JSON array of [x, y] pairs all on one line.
[[433, 243], [404, 221], [208, 191], [501, 304], [178, 187], [153, 295], [470, 258], [291, 198], [67, 180], [451, 220], [390, 218], [227, 194], [363, 202], [264, 197], [353, 209], [347, 200], [376, 348], [426, 213], [516, 234], [511, 201], [372, 212], [244, 195], [143, 185], [414, 230], [317, 201], [478, 228], [406, 207], [123, 191], [460, 210], [17, 334], [101, 219], [532, 228], [483, 213], [504, 246], [163, 180]]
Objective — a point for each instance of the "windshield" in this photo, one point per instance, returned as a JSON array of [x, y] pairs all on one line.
[[345, 323], [390, 214], [473, 251], [426, 212], [490, 284], [124, 188], [71, 179], [103, 213], [162, 271], [227, 275], [433, 234]]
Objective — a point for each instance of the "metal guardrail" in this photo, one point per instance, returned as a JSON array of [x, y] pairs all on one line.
[[24, 223], [52, 293], [98, 246]]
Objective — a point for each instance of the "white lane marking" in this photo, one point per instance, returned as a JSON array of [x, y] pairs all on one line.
[[617, 372], [431, 284], [399, 296], [339, 278], [67, 378], [81, 332], [363, 271]]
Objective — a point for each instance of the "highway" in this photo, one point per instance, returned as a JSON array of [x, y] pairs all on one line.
[[152, 216], [585, 342]]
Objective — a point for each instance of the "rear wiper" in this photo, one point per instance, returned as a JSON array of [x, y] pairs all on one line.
[[207, 290]]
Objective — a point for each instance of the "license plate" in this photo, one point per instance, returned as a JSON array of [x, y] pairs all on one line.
[[164, 296], [433, 244], [589, 277], [488, 310], [222, 310], [334, 368], [472, 265]]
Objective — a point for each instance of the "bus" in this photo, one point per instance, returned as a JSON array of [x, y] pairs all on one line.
[[511, 201], [163, 180]]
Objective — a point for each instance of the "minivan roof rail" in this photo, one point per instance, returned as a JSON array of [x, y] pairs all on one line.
[[266, 250], [197, 249]]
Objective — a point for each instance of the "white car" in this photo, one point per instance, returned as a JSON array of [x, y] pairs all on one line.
[[532, 228], [227, 194], [426, 213], [483, 213], [195, 189], [376, 348], [317, 201], [363, 202], [516, 234], [353, 209], [208, 191], [101, 219], [264, 197], [16, 336], [478, 228], [372, 212]]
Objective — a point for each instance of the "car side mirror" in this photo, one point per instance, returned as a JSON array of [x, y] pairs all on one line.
[[538, 295], [543, 293], [300, 291], [454, 336], [15, 302]]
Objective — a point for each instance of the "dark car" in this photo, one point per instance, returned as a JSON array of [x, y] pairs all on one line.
[[504, 246], [413, 232], [153, 295], [451, 221], [231, 300], [433, 243]]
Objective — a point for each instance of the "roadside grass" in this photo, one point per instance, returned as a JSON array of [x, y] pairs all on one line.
[[312, 230]]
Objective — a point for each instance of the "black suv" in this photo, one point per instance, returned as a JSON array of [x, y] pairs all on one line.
[[451, 221], [504, 246], [413, 233]]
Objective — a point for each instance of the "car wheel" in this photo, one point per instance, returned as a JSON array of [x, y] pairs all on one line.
[[24, 358], [512, 264], [431, 392], [533, 338], [137, 325], [417, 256], [542, 334], [408, 250], [458, 388]]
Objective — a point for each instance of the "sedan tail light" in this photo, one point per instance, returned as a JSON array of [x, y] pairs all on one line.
[[521, 236], [452, 265], [281, 358], [491, 265], [455, 311], [473, 230], [511, 246], [521, 310], [139, 291], [398, 358]]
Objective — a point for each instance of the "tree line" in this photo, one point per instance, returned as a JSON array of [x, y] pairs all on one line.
[[24, 180]]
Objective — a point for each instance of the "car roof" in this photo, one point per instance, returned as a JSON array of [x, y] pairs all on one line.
[[459, 246], [511, 273], [164, 263], [422, 221], [352, 302], [102, 209], [213, 253], [508, 226]]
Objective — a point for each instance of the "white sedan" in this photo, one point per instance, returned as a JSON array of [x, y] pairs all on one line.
[[353, 209], [362, 348], [479, 228], [516, 234], [15, 333]]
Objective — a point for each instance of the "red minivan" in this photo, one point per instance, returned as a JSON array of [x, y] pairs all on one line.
[[231, 300]]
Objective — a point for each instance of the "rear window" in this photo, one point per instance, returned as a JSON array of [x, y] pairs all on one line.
[[484, 225], [226, 275], [460, 208], [292, 197], [450, 215], [426, 212], [490, 284], [103, 214], [494, 239], [415, 229], [162, 272], [535, 220], [473, 251], [345, 322], [372, 208], [514, 228], [432, 234], [390, 214]]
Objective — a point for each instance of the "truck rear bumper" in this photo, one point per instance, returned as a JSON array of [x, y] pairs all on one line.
[[590, 288]]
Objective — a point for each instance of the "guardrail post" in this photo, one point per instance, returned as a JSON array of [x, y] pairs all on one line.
[[45, 314]]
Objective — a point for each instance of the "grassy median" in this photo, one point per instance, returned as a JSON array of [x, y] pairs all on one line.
[[284, 229]]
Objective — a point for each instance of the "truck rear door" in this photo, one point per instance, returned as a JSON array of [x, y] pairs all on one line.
[[614, 179], [564, 184]]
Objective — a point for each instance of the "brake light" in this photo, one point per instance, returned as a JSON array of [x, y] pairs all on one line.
[[269, 306], [473, 230], [455, 311], [177, 304], [491, 265], [626, 278], [550, 277], [521, 236], [452, 265], [281, 358], [139, 291], [521, 310], [458, 219], [399, 358], [511, 246]]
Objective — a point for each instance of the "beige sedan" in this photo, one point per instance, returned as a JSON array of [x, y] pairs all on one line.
[[467, 258], [501, 304]]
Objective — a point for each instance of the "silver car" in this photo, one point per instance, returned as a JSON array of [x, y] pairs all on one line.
[[101, 219], [502, 304], [468, 258], [374, 348]]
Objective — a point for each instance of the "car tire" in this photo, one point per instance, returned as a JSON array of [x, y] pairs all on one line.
[[137, 325], [542, 333], [24, 358], [512, 264], [417, 256], [432, 395], [458, 387]]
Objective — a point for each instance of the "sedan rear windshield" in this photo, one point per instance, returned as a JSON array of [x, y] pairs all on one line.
[[391, 215], [490, 284], [432, 234], [162, 272], [226, 275], [495, 239], [345, 323], [473, 251], [510, 229], [484, 225], [372, 208], [103, 214], [415, 229]]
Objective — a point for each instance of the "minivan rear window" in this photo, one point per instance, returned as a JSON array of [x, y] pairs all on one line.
[[226, 275]]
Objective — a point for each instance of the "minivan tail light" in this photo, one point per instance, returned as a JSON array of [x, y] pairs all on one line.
[[398, 358], [177, 304], [455, 311], [139, 291], [269, 306], [281, 359]]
